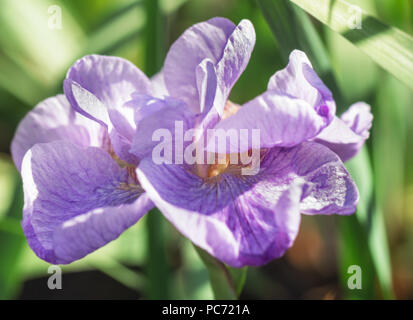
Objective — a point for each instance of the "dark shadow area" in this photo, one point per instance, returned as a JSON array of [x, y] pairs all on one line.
[[78, 285]]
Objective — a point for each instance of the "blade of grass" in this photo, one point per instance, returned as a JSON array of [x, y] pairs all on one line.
[[354, 236], [388, 46], [352, 68], [191, 279], [18, 82], [36, 74], [120, 273], [32, 52], [154, 37], [392, 102], [390, 132], [370, 216], [114, 14], [157, 266], [11, 240], [397, 13], [122, 27], [158, 273]]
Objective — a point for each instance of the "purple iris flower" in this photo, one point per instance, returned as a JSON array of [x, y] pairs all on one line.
[[252, 219], [79, 181], [85, 157]]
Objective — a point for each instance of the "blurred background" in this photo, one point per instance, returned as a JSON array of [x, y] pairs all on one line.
[[379, 238]]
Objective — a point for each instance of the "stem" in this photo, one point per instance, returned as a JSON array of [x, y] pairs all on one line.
[[154, 33], [226, 282], [157, 266]]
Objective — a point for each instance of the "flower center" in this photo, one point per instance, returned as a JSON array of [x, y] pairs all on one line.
[[234, 164], [216, 169], [133, 182], [230, 109]]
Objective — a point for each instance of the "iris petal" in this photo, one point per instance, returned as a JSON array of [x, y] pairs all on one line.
[[250, 220], [76, 200]]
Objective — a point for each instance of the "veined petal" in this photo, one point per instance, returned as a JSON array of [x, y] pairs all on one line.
[[235, 58], [54, 119], [210, 97], [359, 118], [98, 87], [201, 41], [86, 103], [250, 220], [296, 107], [86, 233], [282, 121], [300, 81], [207, 84], [116, 123], [329, 188], [111, 79], [158, 84], [347, 134], [230, 220], [108, 83], [76, 200], [228, 47], [122, 148], [152, 116]]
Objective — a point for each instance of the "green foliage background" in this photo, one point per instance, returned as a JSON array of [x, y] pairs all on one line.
[[151, 260]]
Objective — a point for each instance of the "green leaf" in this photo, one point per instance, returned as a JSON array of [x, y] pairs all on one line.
[[370, 216], [123, 26], [11, 239], [34, 58], [353, 246], [169, 6], [157, 266], [154, 37], [226, 282], [388, 46], [397, 13], [112, 268], [391, 116], [292, 29], [32, 55], [353, 69], [191, 278], [390, 135]]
